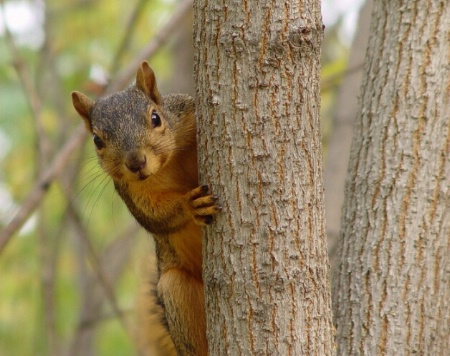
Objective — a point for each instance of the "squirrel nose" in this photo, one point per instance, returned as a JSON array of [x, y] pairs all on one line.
[[135, 161]]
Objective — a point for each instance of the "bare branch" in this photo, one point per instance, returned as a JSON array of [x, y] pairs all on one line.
[[114, 256], [31, 94], [100, 275], [153, 46], [41, 187], [131, 26]]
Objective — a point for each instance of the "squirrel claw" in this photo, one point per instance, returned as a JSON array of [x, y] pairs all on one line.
[[203, 205], [208, 219]]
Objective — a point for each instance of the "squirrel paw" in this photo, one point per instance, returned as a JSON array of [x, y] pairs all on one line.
[[203, 205]]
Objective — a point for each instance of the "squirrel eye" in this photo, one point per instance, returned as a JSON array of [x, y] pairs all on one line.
[[156, 120], [98, 142]]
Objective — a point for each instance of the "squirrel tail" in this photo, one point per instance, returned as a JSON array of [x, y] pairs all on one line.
[[153, 336]]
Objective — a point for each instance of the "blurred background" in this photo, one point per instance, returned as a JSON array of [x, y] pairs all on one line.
[[69, 250]]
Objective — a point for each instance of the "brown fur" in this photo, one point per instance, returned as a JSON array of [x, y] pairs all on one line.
[[154, 169], [152, 334]]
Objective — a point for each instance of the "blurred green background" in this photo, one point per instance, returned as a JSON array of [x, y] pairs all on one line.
[[68, 279]]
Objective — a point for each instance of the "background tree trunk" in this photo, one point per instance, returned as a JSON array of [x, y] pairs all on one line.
[[182, 78], [338, 149], [392, 289], [265, 259]]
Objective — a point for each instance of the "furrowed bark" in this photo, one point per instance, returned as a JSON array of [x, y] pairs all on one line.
[[265, 258], [392, 288]]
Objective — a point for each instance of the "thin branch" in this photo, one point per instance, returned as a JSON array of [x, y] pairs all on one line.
[[114, 256], [42, 186], [19, 65], [131, 26], [99, 271], [154, 45], [31, 94]]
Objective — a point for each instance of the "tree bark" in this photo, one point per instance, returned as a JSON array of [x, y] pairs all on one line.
[[392, 289], [266, 269]]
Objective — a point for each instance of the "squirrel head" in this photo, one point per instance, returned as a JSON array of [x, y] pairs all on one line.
[[132, 136]]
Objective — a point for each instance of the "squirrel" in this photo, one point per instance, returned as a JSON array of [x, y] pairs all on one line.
[[147, 144]]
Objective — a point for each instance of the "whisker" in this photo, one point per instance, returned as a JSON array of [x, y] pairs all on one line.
[[96, 196], [91, 179]]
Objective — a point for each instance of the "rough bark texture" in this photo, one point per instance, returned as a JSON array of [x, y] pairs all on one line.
[[265, 258], [392, 290], [338, 149]]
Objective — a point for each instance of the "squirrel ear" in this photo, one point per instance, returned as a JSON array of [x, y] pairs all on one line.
[[83, 105], [146, 82]]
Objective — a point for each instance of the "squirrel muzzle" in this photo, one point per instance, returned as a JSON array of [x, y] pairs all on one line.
[[136, 162]]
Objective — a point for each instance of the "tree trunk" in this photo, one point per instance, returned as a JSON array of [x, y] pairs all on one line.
[[182, 79], [265, 259], [392, 289], [338, 148]]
